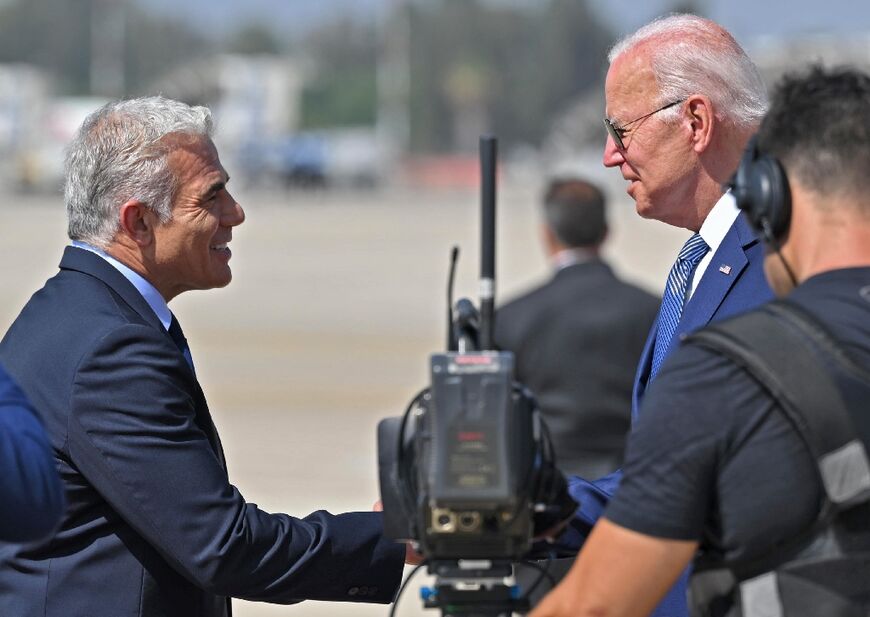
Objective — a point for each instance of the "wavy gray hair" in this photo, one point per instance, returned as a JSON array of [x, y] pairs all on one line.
[[118, 154], [693, 55]]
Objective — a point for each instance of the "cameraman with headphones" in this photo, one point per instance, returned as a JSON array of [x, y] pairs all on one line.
[[766, 485]]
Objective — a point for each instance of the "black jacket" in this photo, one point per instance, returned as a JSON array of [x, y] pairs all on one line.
[[577, 340]]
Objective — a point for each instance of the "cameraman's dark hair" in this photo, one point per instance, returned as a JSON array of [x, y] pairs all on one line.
[[574, 211], [818, 126]]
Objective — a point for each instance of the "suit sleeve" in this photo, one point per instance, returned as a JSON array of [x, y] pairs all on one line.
[[592, 497], [133, 435], [31, 495]]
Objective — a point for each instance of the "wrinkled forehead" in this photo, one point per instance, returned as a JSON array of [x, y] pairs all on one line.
[[181, 140], [630, 88], [194, 158]]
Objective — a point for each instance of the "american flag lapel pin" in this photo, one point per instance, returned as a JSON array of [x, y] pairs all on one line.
[[725, 269]]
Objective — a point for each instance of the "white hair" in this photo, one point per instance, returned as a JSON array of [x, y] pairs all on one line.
[[118, 154], [692, 55]]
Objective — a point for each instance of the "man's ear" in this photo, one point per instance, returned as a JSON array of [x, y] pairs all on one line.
[[701, 120], [551, 243], [137, 222]]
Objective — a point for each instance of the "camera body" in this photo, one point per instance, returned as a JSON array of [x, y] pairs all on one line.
[[462, 478], [468, 474]]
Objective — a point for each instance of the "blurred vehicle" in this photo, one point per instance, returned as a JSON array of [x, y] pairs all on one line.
[[314, 159], [302, 160]]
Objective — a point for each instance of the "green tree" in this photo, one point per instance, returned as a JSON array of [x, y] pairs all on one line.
[[51, 35], [58, 37], [255, 38], [342, 61], [531, 62], [156, 45]]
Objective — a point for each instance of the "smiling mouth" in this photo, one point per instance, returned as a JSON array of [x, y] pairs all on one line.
[[221, 249]]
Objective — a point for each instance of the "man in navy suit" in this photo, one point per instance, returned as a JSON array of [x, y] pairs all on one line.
[[31, 496], [682, 99], [153, 525]]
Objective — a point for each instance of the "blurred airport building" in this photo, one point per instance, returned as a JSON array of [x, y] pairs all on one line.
[[257, 102]]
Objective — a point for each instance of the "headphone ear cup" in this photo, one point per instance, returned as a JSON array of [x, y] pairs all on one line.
[[761, 189], [745, 186], [772, 195]]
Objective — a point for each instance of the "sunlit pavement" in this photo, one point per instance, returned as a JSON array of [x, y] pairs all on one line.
[[337, 301]]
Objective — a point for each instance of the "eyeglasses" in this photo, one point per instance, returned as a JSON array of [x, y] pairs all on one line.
[[617, 132]]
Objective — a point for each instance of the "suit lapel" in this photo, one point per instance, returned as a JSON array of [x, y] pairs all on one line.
[[206, 424], [727, 264], [644, 367], [91, 264], [725, 268]]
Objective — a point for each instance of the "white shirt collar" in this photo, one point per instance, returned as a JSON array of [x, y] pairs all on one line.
[[719, 221], [713, 230], [569, 257], [148, 291]]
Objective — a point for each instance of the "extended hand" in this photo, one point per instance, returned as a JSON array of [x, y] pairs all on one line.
[[412, 557]]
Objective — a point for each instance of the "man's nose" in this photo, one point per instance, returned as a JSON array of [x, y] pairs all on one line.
[[233, 213], [612, 154]]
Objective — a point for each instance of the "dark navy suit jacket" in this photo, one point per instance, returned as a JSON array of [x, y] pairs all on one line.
[[153, 526], [31, 496], [733, 283]]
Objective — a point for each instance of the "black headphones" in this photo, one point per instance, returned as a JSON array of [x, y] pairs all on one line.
[[760, 187]]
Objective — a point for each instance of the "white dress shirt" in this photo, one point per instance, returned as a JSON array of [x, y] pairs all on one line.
[[713, 231]]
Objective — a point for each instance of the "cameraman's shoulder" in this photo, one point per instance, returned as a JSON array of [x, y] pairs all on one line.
[[698, 392]]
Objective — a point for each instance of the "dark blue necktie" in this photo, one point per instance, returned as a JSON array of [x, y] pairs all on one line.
[[674, 297], [203, 419], [177, 335]]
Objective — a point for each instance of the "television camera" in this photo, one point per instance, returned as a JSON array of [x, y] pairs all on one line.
[[468, 473]]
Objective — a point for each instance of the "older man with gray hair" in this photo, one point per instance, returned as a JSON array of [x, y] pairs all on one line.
[[750, 458], [153, 525], [682, 99]]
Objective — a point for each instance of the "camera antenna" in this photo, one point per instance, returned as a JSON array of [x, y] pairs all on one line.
[[488, 153], [452, 344]]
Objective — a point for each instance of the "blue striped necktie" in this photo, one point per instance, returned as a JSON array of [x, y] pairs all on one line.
[[675, 297]]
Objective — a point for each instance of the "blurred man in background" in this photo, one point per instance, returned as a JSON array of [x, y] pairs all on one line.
[[682, 99], [577, 338], [753, 442], [153, 524]]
